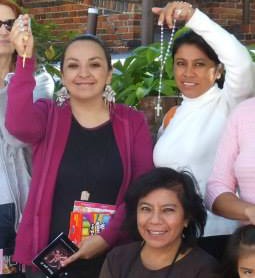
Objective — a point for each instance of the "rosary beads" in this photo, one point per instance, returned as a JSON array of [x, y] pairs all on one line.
[[163, 58]]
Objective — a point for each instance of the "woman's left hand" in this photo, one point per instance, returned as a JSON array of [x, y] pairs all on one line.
[[178, 10], [89, 248], [21, 36]]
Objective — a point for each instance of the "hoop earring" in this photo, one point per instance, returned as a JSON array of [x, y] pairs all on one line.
[[109, 95], [62, 96]]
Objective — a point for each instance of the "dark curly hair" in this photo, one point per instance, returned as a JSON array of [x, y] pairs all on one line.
[[184, 184], [241, 242]]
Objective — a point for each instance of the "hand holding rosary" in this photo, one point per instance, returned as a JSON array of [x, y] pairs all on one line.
[[177, 11], [25, 38]]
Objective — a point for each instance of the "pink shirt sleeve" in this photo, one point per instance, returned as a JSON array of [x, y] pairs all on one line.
[[223, 177]]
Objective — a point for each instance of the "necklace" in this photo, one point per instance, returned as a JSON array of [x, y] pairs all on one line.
[[158, 108]]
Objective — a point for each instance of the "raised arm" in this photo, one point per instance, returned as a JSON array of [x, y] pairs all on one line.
[[23, 119], [235, 57], [238, 83]]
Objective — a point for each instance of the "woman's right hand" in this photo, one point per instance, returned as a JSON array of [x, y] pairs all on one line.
[[178, 10], [21, 36]]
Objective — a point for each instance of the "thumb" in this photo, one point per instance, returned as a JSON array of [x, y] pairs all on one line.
[[156, 10], [71, 259]]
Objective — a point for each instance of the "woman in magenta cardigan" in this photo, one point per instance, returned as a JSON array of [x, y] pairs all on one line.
[[81, 145]]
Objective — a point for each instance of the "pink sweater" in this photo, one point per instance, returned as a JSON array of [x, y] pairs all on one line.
[[234, 167]]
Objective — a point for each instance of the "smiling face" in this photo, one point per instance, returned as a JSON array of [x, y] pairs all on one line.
[[194, 72], [160, 219], [85, 71], [6, 48], [246, 266]]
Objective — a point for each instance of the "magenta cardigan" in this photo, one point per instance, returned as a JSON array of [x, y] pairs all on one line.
[[46, 127]]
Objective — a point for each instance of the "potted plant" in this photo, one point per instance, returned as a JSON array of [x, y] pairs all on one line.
[[136, 81], [251, 49], [49, 47], [138, 76]]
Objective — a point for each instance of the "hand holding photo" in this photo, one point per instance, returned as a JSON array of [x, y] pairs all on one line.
[[49, 259]]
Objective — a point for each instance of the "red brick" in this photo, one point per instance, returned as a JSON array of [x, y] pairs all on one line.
[[126, 26]]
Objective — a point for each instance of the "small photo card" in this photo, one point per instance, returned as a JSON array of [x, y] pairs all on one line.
[[49, 259]]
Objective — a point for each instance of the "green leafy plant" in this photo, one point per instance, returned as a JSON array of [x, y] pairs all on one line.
[[49, 42], [251, 49], [49, 46], [138, 76]]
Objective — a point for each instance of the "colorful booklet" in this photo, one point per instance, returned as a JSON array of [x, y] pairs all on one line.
[[89, 219], [49, 259]]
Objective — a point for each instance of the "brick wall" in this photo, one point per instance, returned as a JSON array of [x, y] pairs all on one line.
[[119, 20], [119, 28], [230, 15]]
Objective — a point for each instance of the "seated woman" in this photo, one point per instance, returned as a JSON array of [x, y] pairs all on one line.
[[166, 215], [234, 166], [240, 255]]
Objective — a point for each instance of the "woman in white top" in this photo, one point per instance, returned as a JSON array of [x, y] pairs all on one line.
[[190, 139]]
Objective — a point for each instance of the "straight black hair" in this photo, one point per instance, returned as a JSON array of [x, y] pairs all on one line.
[[242, 241]]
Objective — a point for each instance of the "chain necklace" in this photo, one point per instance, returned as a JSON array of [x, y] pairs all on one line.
[[163, 58]]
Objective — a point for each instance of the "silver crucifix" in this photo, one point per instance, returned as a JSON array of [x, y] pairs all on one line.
[[158, 109]]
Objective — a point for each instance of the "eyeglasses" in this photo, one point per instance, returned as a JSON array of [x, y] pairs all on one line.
[[7, 24]]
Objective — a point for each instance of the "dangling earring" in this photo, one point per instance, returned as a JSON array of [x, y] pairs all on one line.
[[220, 69], [186, 225], [109, 95], [62, 96]]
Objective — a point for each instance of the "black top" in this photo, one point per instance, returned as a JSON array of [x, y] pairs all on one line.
[[125, 262], [91, 162]]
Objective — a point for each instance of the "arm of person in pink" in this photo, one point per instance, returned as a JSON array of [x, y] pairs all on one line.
[[222, 185], [141, 161], [25, 120]]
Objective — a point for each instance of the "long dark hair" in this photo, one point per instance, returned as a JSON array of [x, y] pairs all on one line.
[[240, 243], [184, 184]]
